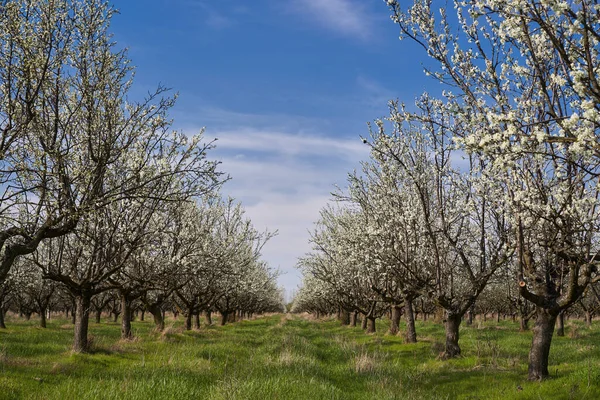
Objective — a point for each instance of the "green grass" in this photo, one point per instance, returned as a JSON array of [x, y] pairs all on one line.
[[283, 357]]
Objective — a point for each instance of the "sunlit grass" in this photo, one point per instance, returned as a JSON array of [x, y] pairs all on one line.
[[283, 357]]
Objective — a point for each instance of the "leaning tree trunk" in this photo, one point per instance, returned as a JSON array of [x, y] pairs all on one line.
[[452, 326], [82, 316], [540, 345], [371, 325], [409, 315], [560, 324], [126, 313], [395, 320]]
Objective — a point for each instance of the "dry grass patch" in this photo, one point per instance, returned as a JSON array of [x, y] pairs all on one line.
[[365, 363]]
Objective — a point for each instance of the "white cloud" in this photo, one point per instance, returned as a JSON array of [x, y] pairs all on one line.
[[347, 17], [283, 180]]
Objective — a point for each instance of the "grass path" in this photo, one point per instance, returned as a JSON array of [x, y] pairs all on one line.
[[286, 357]]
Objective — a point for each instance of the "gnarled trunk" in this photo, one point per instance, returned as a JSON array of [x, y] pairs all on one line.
[[395, 320], [82, 316], [411, 333], [540, 345], [452, 326]]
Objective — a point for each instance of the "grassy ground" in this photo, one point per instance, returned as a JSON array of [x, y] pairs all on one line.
[[284, 357]]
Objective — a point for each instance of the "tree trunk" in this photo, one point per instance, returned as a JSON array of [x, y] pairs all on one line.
[[157, 314], [411, 333], [560, 325], [371, 325], [224, 317], [126, 312], [344, 317], [197, 320], [470, 317], [588, 319], [452, 325], [540, 345], [523, 324], [42, 312], [363, 323], [208, 316], [142, 315], [188, 319], [353, 319], [82, 316], [395, 320], [2, 324], [98, 315]]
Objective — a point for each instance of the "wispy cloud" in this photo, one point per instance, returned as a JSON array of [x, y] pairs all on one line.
[[347, 17]]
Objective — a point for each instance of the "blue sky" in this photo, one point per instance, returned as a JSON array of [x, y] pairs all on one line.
[[286, 86]]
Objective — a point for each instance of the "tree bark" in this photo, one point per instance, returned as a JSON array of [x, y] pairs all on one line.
[[224, 317], [523, 324], [2, 324], [143, 312], [588, 319], [411, 333], [363, 323], [98, 315], [452, 325], [126, 312], [159, 321], [42, 312], [344, 317], [371, 325], [188, 320], [82, 316], [208, 316], [540, 345], [197, 320], [560, 324], [395, 320], [353, 318]]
